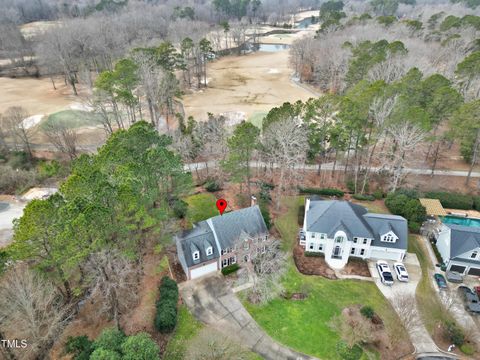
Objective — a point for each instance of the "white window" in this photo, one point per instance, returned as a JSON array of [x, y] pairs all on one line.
[[233, 260], [209, 251], [312, 236], [338, 239], [320, 247], [474, 255], [352, 251], [196, 255], [311, 246], [246, 258], [355, 239], [365, 241], [224, 262], [362, 252], [322, 236], [266, 238]]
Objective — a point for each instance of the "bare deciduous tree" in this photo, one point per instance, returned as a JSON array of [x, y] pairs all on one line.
[[31, 308], [63, 138], [114, 279], [212, 345], [406, 307], [352, 327], [285, 144], [20, 130]]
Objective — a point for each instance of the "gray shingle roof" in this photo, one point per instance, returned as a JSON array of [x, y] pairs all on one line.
[[463, 239], [331, 215], [197, 239], [230, 226]]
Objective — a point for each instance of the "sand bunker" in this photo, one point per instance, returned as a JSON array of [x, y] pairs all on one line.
[[32, 121], [38, 193]]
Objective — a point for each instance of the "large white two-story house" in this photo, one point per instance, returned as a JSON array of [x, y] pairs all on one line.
[[459, 246], [341, 229], [212, 244]]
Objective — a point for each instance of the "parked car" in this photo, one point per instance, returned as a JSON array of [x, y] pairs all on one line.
[[477, 290], [384, 272], [441, 282], [454, 277], [401, 271], [472, 303]]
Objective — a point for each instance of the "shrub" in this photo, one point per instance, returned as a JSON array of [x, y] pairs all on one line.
[[414, 211], [452, 200], [265, 214], [476, 203], [411, 209], [362, 197], [212, 185], [367, 311], [140, 347], [467, 349], [414, 227], [313, 254], [350, 184], [15, 181], [437, 253], [104, 354], [453, 333], [180, 208], [48, 169], [110, 339], [265, 189], [79, 346], [166, 314], [325, 191], [349, 353], [230, 269], [411, 193], [301, 215], [378, 194]]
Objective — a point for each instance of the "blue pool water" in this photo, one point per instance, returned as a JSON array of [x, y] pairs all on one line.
[[460, 221]]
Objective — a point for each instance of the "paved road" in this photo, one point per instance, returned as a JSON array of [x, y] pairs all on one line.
[[212, 302], [329, 166]]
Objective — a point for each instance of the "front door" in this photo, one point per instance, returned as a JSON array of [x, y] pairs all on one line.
[[336, 251]]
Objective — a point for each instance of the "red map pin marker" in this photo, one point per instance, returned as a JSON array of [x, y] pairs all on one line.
[[221, 205]]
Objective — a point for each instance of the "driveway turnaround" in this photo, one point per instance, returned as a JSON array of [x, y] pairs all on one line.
[[211, 301]]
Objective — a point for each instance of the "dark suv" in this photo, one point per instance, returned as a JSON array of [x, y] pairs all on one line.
[[472, 303]]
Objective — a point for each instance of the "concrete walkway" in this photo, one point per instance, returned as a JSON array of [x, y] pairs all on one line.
[[212, 302]]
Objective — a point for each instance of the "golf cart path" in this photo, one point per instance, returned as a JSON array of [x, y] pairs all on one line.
[[419, 335], [212, 301]]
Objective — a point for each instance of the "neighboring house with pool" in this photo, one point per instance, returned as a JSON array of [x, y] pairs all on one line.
[[458, 241]]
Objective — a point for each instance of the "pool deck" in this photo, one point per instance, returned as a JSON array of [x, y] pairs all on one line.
[[472, 214]]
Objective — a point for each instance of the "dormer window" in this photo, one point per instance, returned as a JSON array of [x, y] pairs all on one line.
[[196, 255], [474, 255], [209, 251], [389, 237]]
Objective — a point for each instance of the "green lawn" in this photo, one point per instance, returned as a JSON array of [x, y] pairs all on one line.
[[303, 325], [431, 309], [187, 328], [257, 118], [72, 119], [201, 207]]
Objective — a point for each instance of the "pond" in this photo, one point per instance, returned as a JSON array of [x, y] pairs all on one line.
[[4, 206], [304, 23], [270, 47]]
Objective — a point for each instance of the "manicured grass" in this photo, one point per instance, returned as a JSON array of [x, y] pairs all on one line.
[[187, 328], [304, 325], [431, 309], [287, 224], [373, 206], [72, 119], [201, 207], [257, 118]]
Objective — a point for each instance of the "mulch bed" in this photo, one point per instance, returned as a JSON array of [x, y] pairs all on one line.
[[356, 267], [311, 265]]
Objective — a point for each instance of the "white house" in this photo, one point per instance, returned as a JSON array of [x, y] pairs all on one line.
[[460, 248], [341, 229]]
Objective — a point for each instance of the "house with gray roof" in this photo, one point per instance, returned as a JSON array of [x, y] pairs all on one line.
[[341, 229], [459, 246], [211, 244]]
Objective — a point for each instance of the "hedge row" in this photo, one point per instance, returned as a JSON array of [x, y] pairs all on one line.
[[322, 191], [166, 315], [363, 197], [230, 269], [313, 254], [455, 200]]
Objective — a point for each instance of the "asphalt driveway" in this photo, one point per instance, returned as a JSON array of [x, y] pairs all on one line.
[[212, 302]]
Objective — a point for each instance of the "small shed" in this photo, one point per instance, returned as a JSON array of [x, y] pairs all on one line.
[[433, 207]]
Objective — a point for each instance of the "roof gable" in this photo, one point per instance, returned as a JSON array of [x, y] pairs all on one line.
[[463, 239]]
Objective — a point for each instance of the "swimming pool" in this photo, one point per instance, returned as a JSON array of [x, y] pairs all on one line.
[[461, 221]]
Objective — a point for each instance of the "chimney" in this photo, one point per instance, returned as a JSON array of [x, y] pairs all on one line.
[[253, 200]]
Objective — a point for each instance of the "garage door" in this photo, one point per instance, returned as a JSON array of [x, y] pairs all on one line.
[[457, 268], [474, 271], [385, 255], [203, 270]]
